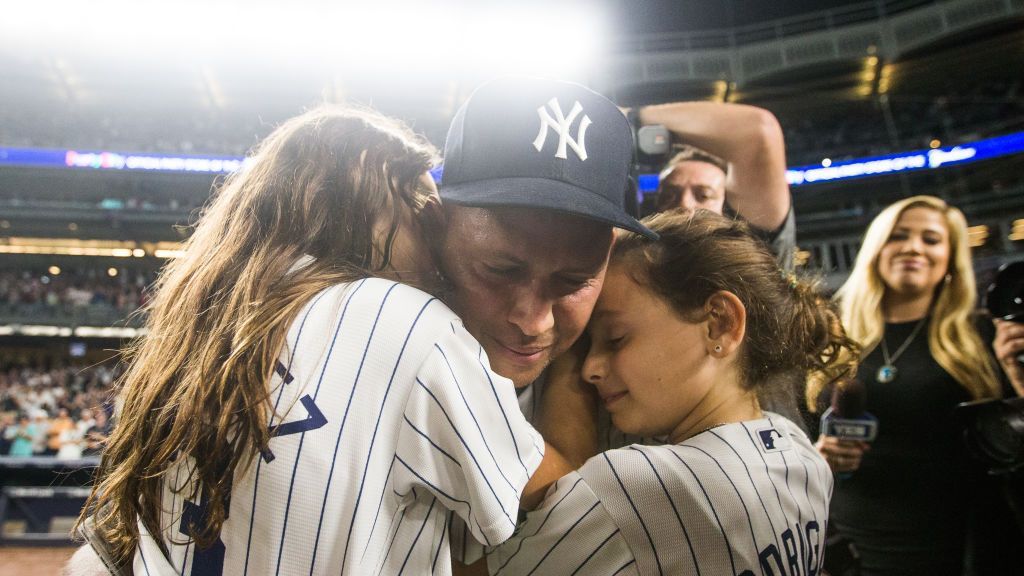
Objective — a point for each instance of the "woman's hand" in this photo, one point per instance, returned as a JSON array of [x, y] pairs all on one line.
[[1008, 346], [841, 455]]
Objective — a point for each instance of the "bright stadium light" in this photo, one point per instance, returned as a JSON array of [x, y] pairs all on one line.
[[977, 235], [1017, 233], [440, 37], [70, 247]]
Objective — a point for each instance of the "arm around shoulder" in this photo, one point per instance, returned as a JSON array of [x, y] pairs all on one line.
[[568, 422], [570, 533], [464, 439]]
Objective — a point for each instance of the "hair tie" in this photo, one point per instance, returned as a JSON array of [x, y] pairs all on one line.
[[790, 278]]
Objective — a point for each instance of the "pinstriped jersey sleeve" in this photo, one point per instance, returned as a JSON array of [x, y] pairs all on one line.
[[464, 439], [570, 533], [464, 548]]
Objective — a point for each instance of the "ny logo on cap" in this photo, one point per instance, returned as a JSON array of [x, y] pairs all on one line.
[[561, 125]]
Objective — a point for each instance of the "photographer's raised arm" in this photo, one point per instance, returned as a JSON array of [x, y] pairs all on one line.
[[749, 139]]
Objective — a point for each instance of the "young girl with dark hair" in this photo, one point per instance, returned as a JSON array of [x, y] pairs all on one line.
[[686, 331]]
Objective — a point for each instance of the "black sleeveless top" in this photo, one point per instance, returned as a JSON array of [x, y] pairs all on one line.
[[907, 506]]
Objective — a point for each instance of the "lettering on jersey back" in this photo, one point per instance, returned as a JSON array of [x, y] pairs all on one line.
[[194, 517], [314, 418], [801, 558]]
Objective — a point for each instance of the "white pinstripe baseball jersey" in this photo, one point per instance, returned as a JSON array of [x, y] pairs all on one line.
[[740, 499], [393, 422], [464, 547]]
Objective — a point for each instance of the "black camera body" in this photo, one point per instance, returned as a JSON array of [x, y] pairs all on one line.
[[994, 429], [1005, 297], [653, 145], [653, 142]]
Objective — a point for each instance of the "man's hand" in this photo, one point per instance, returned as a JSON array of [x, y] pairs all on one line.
[[568, 410], [478, 568], [1008, 346], [568, 422]]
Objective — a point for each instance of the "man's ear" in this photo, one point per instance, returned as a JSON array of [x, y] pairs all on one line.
[[433, 217], [726, 321]]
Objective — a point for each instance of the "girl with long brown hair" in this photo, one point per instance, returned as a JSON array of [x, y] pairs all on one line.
[[293, 407]]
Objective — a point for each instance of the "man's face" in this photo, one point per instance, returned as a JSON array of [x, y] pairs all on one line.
[[525, 282], [692, 185]]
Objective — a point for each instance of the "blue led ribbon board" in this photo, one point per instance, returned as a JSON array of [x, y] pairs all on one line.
[[798, 176], [105, 160]]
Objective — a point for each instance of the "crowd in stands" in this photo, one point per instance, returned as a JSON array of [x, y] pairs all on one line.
[[113, 206], [860, 129], [61, 412], [127, 131], [43, 295]]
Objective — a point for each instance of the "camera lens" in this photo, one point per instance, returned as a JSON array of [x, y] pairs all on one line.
[[999, 434]]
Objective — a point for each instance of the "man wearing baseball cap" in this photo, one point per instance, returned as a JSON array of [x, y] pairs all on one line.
[[535, 176], [535, 173]]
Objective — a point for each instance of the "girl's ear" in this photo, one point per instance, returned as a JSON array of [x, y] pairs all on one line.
[[726, 321]]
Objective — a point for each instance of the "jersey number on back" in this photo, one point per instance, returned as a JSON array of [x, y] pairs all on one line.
[[210, 561]]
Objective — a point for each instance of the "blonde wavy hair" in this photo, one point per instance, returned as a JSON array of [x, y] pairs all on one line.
[[952, 337], [196, 386]]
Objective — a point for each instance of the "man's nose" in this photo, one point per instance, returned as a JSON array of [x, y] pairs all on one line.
[[687, 200], [532, 311]]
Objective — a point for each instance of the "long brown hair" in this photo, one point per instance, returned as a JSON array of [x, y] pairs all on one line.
[[196, 385], [790, 324]]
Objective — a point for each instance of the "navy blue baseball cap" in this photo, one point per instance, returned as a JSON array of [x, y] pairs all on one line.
[[536, 143]]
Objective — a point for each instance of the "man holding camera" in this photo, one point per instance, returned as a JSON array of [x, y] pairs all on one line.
[[1009, 350], [733, 155]]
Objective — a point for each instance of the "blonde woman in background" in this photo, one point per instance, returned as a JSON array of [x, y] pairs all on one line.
[[905, 499]]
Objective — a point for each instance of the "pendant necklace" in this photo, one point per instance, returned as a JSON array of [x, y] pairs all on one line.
[[888, 372]]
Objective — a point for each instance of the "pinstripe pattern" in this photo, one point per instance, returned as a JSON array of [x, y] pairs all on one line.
[[724, 493], [468, 550], [277, 403], [408, 403]]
